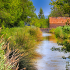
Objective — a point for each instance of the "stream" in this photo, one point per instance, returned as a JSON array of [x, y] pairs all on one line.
[[51, 60]]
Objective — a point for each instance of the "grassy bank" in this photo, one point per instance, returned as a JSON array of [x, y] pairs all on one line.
[[25, 40], [22, 37], [64, 34]]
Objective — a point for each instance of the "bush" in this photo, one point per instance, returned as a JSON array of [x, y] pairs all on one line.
[[64, 33], [36, 32], [61, 32], [21, 23], [52, 30], [66, 29], [41, 23], [57, 31], [22, 37], [67, 44]]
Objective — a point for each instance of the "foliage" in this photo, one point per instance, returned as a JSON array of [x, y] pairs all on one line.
[[41, 23], [8, 58], [67, 44], [22, 37], [15, 13], [21, 24], [12, 12], [60, 8], [41, 14], [64, 33], [3, 66], [36, 32], [52, 30], [1, 57]]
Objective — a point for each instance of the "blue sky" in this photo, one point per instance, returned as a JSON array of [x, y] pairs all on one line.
[[44, 4]]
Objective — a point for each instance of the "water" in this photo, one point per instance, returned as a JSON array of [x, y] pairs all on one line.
[[51, 60]]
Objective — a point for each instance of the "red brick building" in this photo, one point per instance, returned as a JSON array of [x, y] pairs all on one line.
[[58, 21]]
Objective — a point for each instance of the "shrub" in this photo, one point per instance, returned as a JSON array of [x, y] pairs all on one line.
[[67, 44], [41, 23], [57, 31], [52, 30], [36, 32], [64, 33], [22, 37], [9, 59], [21, 23]]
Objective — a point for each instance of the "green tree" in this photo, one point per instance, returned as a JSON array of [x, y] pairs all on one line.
[[10, 11], [60, 8], [41, 23], [28, 10], [41, 14], [14, 11]]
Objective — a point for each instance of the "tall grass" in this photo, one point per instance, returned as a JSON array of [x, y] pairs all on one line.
[[23, 39], [7, 62]]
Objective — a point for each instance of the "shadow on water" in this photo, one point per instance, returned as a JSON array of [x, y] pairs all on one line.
[[51, 60]]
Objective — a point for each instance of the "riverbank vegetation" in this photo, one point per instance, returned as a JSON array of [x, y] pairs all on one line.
[[23, 39], [63, 35], [60, 8], [19, 28], [8, 58], [20, 34]]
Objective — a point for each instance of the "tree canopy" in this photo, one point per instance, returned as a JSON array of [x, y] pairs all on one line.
[[41, 14], [60, 8], [20, 12], [14, 11]]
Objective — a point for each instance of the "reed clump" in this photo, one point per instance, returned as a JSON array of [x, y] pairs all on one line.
[[8, 61], [25, 40], [22, 37]]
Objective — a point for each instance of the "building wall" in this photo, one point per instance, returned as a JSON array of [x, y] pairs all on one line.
[[58, 21]]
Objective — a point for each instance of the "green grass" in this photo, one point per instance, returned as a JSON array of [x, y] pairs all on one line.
[[3, 64], [24, 39]]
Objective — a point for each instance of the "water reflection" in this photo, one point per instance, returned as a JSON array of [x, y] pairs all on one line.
[[51, 60]]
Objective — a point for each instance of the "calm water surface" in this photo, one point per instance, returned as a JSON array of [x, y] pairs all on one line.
[[51, 60]]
